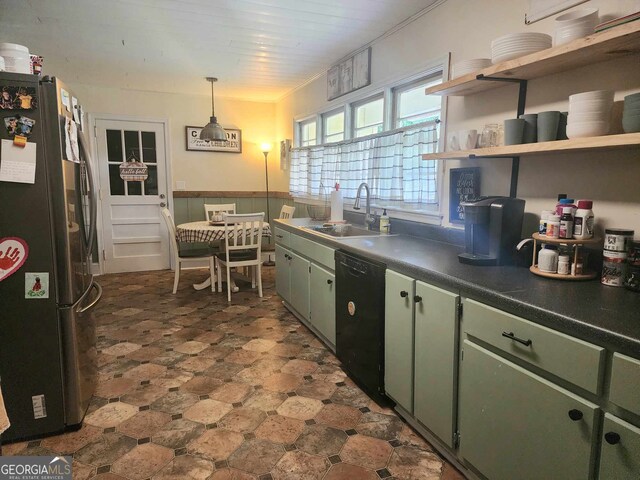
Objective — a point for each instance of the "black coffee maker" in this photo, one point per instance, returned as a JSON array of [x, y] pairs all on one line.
[[492, 229]]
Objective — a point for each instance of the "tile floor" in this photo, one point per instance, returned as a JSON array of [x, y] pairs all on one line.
[[191, 387]]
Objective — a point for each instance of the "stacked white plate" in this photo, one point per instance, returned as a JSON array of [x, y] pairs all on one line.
[[574, 25], [589, 114], [516, 45], [468, 66]]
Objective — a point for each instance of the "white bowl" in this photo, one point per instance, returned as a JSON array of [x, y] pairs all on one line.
[[575, 117], [587, 129], [468, 66], [516, 54], [520, 36], [585, 107], [577, 15], [595, 94]]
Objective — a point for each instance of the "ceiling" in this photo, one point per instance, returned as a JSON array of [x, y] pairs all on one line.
[[259, 49]]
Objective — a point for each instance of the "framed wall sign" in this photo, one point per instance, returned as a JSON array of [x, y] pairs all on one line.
[[349, 75], [233, 144], [464, 184]]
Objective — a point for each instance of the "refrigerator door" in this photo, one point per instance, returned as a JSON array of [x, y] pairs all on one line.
[[79, 356], [68, 186]]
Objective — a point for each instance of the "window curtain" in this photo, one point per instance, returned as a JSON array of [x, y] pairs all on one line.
[[391, 163]]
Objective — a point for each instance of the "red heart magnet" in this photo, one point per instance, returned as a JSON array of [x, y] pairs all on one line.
[[13, 253]]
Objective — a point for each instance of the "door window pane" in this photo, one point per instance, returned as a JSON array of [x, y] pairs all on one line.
[[149, 147], [131, 144], [333, 127], [307, 133], [369, 118], [151, 183], [114, 146], [134, 188], [116, 184]]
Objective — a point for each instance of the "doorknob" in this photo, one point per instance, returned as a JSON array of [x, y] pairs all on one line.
[[162, 204], [162, 195]]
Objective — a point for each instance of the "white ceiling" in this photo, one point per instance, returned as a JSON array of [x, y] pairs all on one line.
[[259, 49]]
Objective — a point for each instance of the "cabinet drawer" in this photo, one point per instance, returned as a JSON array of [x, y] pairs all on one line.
[[574, 360], [625, 379], [316, 252], [282, 237]]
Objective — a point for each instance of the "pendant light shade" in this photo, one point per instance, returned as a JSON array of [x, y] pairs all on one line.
[[212, 131]]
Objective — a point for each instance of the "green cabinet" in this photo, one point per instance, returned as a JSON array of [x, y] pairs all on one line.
[[283, 273], [323, 302], [300, 268], [436, 358], [620, 451], [514, 424], [398, 339]]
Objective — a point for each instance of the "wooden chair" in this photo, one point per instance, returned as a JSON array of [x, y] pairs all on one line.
[[287, 212], [216, 208], [242, 248], [186, 256]]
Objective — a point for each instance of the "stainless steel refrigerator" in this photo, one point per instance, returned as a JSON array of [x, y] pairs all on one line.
[[47, 339]]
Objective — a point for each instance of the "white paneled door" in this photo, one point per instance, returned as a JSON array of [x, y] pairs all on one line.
[[133, 233]]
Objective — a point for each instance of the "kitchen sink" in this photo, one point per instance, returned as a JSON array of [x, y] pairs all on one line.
[[343, 231]]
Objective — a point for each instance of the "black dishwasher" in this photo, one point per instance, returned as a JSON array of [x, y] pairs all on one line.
[[360, 322]]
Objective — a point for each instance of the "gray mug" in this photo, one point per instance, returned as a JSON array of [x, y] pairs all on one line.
[[562, 126], [548, 126], [513, 131], [530, 127]]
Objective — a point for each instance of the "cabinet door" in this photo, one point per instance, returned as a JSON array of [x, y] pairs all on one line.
[[436, 313], [323, 302], [514, 424], [300, 284], [620, 446], [283, 273], [398, 339]]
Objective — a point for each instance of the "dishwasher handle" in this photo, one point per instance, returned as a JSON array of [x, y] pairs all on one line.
[[356, 272]]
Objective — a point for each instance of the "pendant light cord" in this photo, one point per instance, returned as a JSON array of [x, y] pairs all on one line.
[[213, 109]]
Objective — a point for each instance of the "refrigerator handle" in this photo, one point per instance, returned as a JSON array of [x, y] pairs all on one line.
[[97, 286], [93, 207]]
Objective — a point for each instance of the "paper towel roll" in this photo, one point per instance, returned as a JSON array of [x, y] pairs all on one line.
[[337, 206]]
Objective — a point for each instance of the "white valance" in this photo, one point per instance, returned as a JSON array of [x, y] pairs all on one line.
[[390, 162]]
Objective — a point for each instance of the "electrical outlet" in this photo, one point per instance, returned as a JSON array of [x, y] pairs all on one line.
[[181, 185]]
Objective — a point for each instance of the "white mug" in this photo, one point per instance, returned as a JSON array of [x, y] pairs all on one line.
[[468, 139], [452, 142]]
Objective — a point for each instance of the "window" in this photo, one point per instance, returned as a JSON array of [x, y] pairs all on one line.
[[412, 106], [368, 117], [308, 133], [333, 126]]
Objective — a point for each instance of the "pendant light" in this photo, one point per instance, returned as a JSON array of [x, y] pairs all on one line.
[[212, 130]]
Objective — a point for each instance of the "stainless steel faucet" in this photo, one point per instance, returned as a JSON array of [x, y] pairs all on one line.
[[368, 218]]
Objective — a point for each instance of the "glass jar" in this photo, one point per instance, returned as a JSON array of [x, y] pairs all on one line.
[[490, 135]]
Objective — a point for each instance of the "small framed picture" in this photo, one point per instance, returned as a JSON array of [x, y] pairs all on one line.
[[233, 143]]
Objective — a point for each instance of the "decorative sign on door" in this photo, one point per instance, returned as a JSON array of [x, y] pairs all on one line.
[[233, 144], [133, 171], [464, 184]]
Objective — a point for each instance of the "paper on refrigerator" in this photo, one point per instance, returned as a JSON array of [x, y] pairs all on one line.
[[17, 164]]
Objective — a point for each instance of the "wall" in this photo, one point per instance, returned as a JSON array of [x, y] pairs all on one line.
[[208, 171], [465, 28]]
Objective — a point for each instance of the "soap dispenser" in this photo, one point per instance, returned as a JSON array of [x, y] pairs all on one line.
[[384, 222]]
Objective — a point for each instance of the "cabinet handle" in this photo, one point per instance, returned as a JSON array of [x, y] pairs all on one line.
[[512, 336], [417, 299], [278, 236], [329, 282], [575, 414], [612, 438], [404, 294]]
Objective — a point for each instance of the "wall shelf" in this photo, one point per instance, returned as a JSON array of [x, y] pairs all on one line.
[[606, 142], [599, 47]]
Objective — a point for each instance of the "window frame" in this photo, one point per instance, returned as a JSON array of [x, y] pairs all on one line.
[[329, 113], [301, 124], [386, 89], [355, 105], [397, 90]]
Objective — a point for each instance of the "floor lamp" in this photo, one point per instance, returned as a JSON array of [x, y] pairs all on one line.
[[266, 148]]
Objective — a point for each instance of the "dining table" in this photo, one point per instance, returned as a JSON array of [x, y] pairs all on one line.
[[204, 231]]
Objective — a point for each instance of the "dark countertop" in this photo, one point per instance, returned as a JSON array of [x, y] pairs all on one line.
[[606, 316]]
